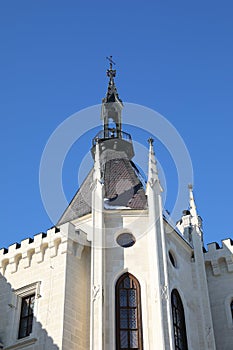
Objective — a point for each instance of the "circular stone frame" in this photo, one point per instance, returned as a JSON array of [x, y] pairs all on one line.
[[126, 240]]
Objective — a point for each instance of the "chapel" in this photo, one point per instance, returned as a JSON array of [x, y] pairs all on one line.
[[114, 273]]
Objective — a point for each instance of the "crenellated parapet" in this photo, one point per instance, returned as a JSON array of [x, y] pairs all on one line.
[[55, 241], [217, 254]]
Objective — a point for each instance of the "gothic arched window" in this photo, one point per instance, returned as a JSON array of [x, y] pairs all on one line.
[[232, 309], [178, 317], [128, 313]]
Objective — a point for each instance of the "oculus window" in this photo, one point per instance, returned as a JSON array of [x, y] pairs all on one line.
[[126, 240]]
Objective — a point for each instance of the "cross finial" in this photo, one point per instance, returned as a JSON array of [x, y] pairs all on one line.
[[110, 72], [111, 61]]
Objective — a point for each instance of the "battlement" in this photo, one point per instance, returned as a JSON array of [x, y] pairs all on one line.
[[53, 240], [216, 253]]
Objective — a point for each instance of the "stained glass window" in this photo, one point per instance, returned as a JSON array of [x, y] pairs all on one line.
[[179, 328], [26, 316], [128, 313]]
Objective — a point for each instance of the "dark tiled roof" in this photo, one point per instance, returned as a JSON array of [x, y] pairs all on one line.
[[80, 205], [122, 185]]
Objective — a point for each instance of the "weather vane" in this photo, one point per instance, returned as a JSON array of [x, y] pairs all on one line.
[[110, 72]]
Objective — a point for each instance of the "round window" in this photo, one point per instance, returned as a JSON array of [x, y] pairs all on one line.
[[126, 240]]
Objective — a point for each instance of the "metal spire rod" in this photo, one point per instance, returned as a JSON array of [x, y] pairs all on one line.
[[111, 61]]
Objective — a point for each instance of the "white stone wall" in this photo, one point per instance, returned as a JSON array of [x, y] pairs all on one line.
[[5, 291], [219, 271], [188, 277], [57, 267], [51, 267], [77, 302], [138, 261], [134, 260], [35, 267], [182, 277]]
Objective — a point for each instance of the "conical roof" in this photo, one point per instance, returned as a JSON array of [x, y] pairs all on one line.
[[122, 187]]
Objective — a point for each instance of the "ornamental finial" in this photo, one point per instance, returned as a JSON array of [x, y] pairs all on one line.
[[151, 141], [111, 73]]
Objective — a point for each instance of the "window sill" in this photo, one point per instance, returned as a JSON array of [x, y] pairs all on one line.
[[21, 343]]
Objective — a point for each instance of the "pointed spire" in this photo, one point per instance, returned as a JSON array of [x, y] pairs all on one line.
[[112, 94], [153, 176], [112, 107], [192, 205], [195, 219]]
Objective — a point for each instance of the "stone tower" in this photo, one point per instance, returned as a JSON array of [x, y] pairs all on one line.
[[142, 269], [114, 273]]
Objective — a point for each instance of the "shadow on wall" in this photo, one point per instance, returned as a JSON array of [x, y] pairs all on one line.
[[9, 324]]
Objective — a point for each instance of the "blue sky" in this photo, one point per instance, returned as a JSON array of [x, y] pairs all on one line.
[[172, 56]]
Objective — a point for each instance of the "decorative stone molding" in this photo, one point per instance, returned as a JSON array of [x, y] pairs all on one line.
[[229, 260], [21, 344], [29, 289], [28, 248], [95, 292], [216, 252], [14, 262], [53, 246], [55, 242], [164, 292], [3, 265], [215, 267]]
